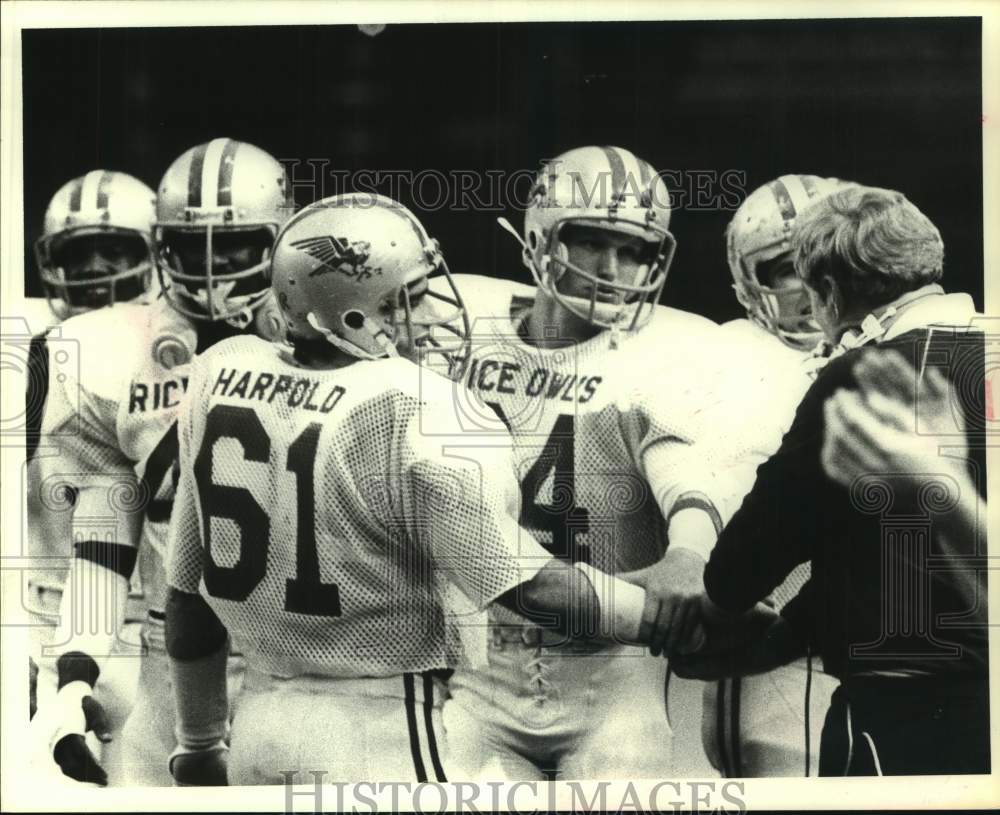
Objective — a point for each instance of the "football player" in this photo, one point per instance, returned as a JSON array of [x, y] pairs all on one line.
[[601, 389], [96, 246], [332, 517], [769, 724], [112, 416], [95, 249]]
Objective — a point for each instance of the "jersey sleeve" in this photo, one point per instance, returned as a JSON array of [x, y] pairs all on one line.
[[772, 531], [666, 431], [84, 464], [184, 541], [465, 501]]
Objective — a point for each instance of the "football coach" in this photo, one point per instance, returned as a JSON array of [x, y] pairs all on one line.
[[889, 606]]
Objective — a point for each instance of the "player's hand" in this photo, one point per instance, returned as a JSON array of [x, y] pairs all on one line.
[[61, 727], [200, 768], [673, 589]]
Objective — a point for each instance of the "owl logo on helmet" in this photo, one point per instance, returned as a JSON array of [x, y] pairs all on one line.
[[759, 253], [219, 209], [96, 246], [606, 188], [385, 313]]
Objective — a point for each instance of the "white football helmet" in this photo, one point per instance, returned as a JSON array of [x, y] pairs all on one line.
[[100, 203], [758, 248], [607, 188], [223, 191], [352, 269]]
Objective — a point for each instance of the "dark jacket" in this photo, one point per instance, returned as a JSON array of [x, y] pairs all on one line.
[[878, 602]]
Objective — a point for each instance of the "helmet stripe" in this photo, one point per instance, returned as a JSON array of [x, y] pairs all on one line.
[[194, 175], [809, 183], [646, 172], [798, 192], [783, 198], [210, 172], [617, 172], [88, 192], [225, 182], [102, 190], [76, 194]]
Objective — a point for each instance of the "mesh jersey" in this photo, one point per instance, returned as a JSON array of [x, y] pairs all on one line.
[[116, 379], [603, 437], [323, 519], [765, 383], [45, 533]]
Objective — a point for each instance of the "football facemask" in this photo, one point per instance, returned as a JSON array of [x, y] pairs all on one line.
[[82, 269], [95, 249], [219, 208], [607, 188], [781, 308], [605, 303], [217, 273]]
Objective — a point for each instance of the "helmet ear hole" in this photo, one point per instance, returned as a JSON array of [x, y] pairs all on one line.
[[354, 319]]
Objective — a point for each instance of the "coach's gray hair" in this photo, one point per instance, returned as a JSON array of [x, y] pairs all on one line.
[[874, 243]]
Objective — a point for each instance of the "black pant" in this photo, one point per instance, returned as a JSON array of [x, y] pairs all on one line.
[[907, 726]]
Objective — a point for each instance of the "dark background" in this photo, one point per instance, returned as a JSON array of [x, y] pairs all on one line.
[[894, 103]]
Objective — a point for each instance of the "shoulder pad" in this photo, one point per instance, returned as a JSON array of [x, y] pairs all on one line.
[[491, 297], [35, 312]]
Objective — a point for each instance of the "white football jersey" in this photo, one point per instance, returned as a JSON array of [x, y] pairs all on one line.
[[44, 533], [116, 377], [764, 385], [604, 437], [335, 519]]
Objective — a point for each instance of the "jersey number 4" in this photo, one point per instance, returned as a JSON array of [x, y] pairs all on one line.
[[562, 518], [304, 594]]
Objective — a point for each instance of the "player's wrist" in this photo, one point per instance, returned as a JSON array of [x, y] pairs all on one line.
[[620, 605], [68, 716]]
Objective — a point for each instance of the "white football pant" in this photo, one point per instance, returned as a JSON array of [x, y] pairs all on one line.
[[375, 729], [574, 711], [754, 726]]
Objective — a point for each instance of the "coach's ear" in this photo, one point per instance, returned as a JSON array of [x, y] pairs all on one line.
[[830, 298]]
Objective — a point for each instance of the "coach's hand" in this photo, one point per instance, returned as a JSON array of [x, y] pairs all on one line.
[[756, 642], [200, 768], [61, 727], [673, 588]]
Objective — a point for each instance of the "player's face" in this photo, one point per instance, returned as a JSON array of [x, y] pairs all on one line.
[[608, 256], [231, 251], [99, 256], [778, 273], [411, 338]]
